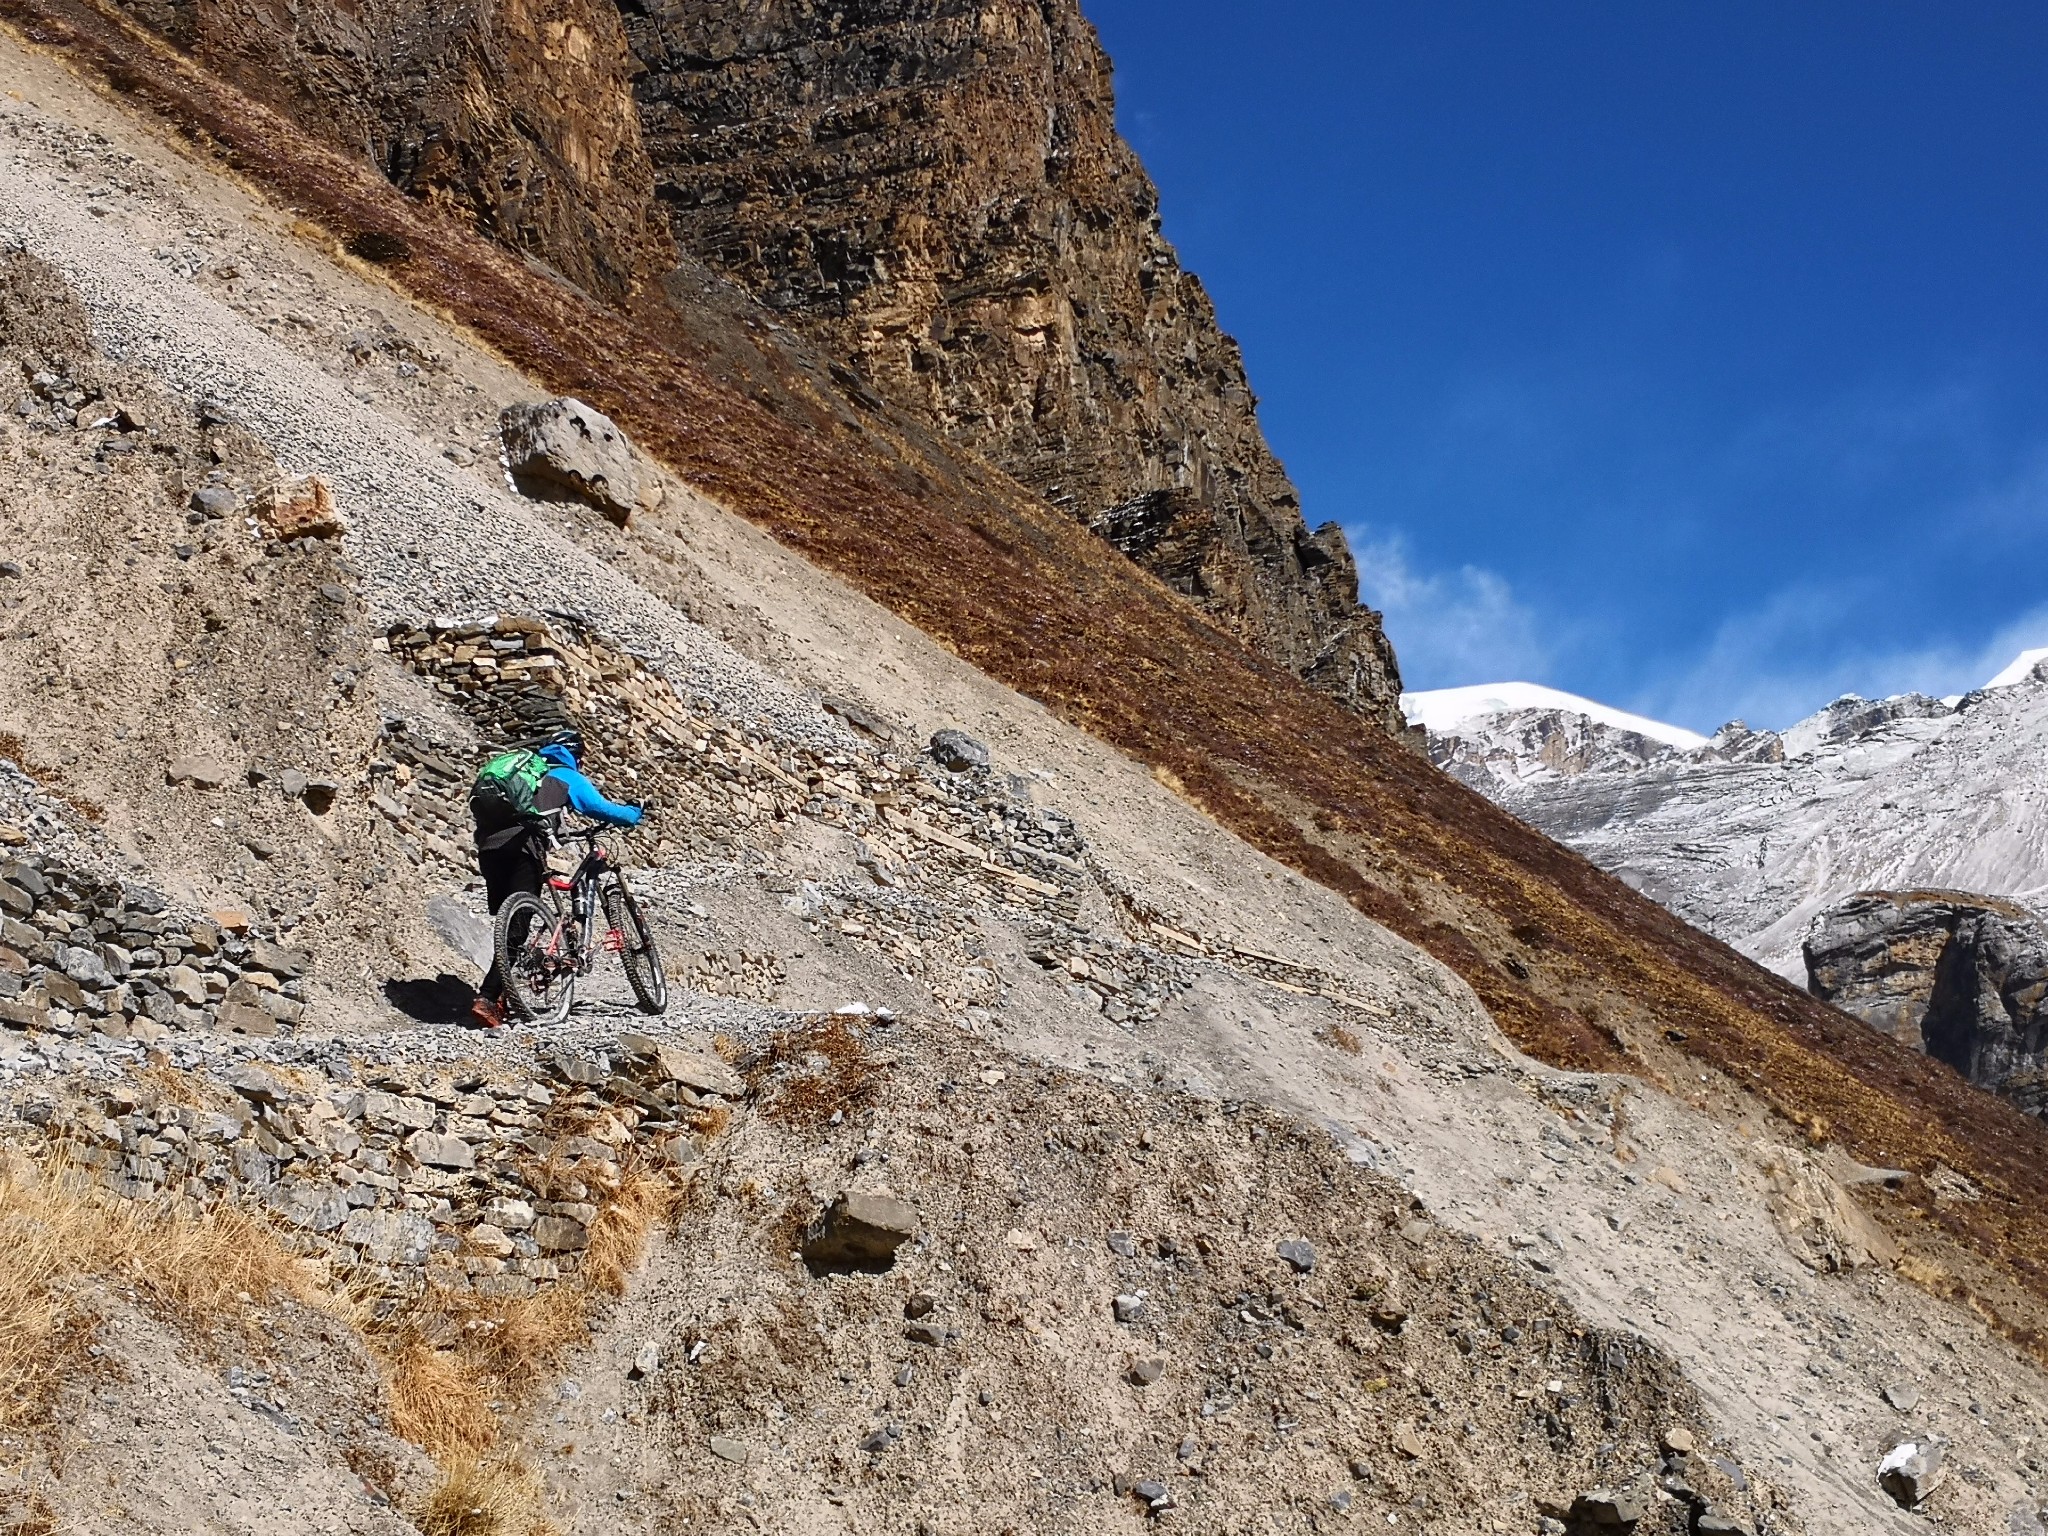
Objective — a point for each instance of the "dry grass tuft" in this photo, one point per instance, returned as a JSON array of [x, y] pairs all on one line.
[[1342, 1039], [438, 1400], [59, 1232], [643, 1200], [455, 1354], [498, 1497], [808, 1075], [26, 1514]]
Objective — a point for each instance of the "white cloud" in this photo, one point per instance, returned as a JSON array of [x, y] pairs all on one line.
[[1449, 627], [1781, 662]]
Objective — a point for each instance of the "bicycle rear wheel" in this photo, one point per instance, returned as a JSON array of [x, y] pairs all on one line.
[[642, 961], [534, 961]]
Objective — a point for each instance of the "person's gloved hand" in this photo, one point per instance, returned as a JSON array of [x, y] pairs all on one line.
[[631, 815]]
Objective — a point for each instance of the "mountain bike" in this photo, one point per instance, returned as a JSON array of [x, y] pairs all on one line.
[[546, 942]]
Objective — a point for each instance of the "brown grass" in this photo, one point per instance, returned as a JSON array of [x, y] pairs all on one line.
[[1343, 1039], [447, 1360], [60, 1233], [794, 1091], [1015, 588], [495, 1497], [643, 1200], [26, 1514]]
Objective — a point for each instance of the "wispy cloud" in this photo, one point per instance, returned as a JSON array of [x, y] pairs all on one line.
[[1449, 627], [1783, 660]]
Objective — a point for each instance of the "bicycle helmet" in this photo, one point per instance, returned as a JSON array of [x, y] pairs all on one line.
[[568, 737]]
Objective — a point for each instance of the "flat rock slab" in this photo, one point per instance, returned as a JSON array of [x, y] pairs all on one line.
[[694, 1067], [198, 772], [390, 1237], [450, 1152]]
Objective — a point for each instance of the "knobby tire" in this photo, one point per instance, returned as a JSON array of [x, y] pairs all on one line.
[[523, 926], [637, 954]]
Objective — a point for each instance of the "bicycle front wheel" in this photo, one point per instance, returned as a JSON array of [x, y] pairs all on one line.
[[535, 961], [634, 936]]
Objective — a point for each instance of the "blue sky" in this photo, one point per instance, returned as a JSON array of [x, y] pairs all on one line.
[[1692, 357]]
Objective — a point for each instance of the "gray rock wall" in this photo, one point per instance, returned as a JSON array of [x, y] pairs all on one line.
[[1961, 977]]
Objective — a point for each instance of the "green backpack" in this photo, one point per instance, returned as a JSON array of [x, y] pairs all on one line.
[[506, 786]]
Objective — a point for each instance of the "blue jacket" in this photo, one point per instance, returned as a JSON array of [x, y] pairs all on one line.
[[584, 798]]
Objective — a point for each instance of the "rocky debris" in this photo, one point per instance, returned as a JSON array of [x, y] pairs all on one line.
[[81, 954], [1912, 1470], [1234, 1384], [1963, 978], [859, 1230], [561, 449], [397, 1175], [299, 509], [930, 838], [957, 752]]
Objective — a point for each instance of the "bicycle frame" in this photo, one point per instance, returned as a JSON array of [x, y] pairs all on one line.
[[575, 898]]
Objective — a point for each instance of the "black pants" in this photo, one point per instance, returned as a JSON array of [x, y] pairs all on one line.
[[517, 866]]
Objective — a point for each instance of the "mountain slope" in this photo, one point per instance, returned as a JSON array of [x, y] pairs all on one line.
[[1295, 1044], [935, 196], [1574, 965], [1753, 834]]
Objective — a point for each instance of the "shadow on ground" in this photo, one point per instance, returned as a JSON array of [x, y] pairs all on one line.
[[442, 999]]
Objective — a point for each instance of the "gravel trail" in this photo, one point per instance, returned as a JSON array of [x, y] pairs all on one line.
[[430, 538]]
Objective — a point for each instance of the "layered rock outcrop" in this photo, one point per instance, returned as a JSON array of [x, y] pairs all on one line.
[[520, 116], [1963, 978], [938, 193], [935, 195]]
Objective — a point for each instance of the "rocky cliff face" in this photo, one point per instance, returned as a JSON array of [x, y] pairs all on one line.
[[522, 116], [935, 194], [1963, 978], [938, 191]]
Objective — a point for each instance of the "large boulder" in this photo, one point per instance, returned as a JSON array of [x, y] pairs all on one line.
[[561, 449], [1963, 978]]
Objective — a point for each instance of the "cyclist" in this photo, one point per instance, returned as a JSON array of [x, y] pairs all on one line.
[[514, 796]]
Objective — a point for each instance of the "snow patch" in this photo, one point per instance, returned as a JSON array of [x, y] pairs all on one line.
[[1445, 710], [2021, 668]]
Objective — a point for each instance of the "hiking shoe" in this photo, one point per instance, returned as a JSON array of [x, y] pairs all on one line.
[[487, 1014]]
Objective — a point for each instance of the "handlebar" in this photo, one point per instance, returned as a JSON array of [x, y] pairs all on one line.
[[570, 825]]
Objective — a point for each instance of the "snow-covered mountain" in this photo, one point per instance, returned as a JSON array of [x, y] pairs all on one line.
[[1750, 833], [1444, 710]]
